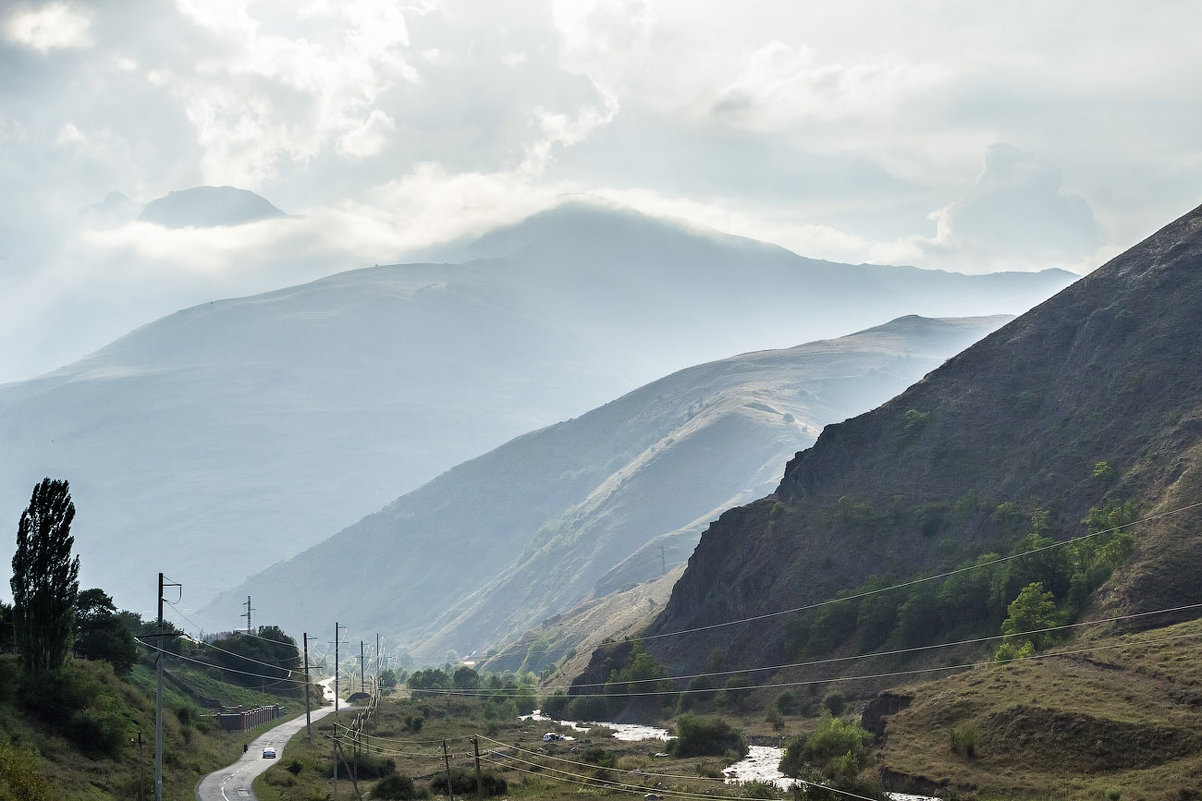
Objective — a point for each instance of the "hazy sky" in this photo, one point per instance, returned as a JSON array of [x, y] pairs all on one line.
[[965, 136]]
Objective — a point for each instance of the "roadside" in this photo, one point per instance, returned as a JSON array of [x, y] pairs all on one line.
[[233, 783]]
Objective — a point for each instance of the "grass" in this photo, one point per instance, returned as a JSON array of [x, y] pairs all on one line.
[[514, 750], [1120, 716], [192, 746]]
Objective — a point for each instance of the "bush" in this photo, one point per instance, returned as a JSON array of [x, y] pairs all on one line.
[[588, 707], [463, 783], [839, 748], [372, 766], [963, 740], [397, 787], [596, 755], [98, 734], [697, 736], [555, 706], [758, 790], [834, 702]]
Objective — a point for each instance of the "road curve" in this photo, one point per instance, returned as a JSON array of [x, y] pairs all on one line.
[[233, 783]]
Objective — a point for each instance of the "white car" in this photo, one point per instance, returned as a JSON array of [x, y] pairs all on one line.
[[269, 753]]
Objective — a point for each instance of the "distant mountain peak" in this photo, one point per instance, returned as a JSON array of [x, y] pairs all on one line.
[[209, 207]]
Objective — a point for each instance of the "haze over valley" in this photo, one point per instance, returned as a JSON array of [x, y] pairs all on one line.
[[812, 383]]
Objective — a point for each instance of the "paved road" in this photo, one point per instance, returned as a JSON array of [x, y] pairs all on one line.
[[233, 783]]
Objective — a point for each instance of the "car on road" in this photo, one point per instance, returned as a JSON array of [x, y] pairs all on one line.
[[269, 753]]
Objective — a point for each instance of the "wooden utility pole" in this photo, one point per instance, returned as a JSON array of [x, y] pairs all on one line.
[[446, 760], [158, 698], [479, 783], [308, 717]]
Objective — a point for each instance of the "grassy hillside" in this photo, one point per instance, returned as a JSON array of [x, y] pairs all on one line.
[[73, 735], [1087, 400], [1114, 718]]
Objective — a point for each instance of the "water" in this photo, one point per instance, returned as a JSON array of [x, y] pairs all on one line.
[[627, 732], [760, 764]]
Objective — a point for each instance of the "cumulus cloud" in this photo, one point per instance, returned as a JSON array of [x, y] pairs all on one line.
[[369, 138], [835, 130], [784, 85], [49, 27], [1016, 216]]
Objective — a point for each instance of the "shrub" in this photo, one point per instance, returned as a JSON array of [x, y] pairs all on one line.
[[758, 790], [588, 707], [372, 766], [397, 787], [838, 747], [555, 706], [834, 702], [96, 733], [596, 755], [963, 740], [463, 783], [698, 736]]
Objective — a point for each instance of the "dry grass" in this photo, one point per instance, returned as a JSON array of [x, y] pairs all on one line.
[[1120, 717]]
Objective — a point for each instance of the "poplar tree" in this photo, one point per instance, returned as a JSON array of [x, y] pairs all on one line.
[[45, 581]]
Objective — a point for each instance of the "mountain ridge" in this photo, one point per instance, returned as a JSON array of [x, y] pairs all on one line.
[[529, 529], [1085, 398], [254, 427]]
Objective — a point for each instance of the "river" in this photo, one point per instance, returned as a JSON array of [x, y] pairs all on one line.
[[760, 764]]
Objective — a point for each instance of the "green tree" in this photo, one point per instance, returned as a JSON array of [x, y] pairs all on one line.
[[839, 748], [101, 634], [1034, 609], [45, 579]]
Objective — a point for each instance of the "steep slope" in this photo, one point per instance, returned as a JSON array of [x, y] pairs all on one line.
[[571, 511], [246, 430], [1090, 396]]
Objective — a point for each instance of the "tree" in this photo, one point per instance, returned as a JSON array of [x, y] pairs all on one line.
[[1033, 611], [101, 634], [45, 579]]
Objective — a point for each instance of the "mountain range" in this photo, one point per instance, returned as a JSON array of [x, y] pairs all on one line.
[[222, 438], [602, 502], [1088, 401]]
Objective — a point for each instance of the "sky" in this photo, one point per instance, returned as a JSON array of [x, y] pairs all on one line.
[[972, 137]]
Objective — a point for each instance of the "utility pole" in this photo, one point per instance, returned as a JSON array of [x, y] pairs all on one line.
[[141, 766], [377, 662], [447, 762], [479, 784], [308, 719], [663, 563], [336, 644], [246, 615], [361, 660], [158, 698]]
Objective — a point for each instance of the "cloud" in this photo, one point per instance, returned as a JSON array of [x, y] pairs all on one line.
[[369, 138], [1016, 216], [785, 86], [50, 27]]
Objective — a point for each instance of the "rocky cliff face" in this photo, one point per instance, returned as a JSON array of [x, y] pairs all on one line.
[[1091, 395]]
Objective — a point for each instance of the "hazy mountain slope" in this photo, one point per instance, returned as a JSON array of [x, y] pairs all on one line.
[[207, 207], [524, 532], [220, 439], [1103, 372]]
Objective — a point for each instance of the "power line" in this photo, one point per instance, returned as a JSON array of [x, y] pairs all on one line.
[[181, 657], [866, 593], [834, 679]]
